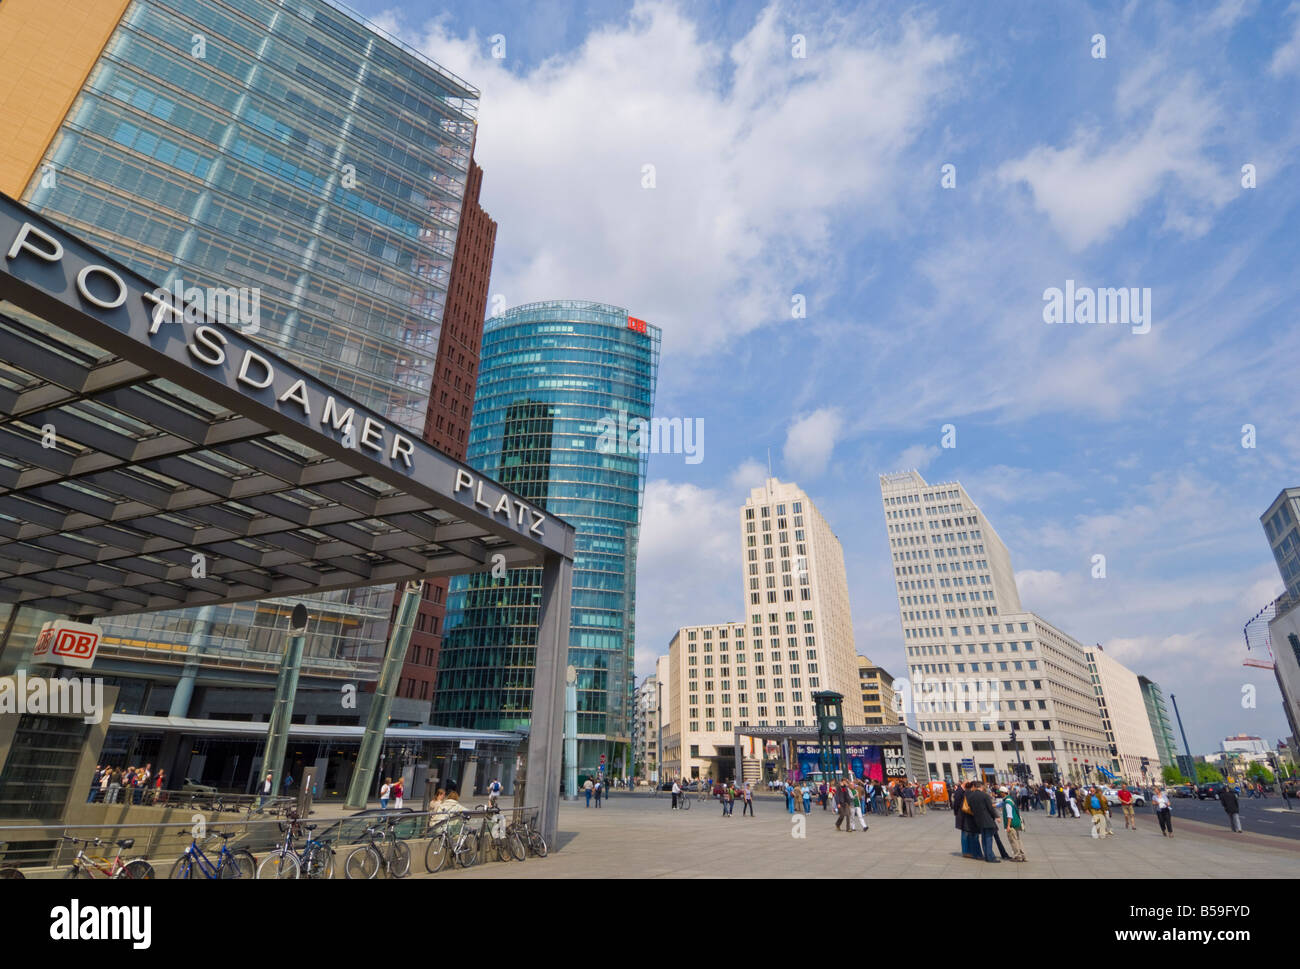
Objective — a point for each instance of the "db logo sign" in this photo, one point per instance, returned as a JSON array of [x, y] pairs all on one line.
[[67, 644]]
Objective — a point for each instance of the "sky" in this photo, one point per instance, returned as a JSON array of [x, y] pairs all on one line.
[[800, 155]]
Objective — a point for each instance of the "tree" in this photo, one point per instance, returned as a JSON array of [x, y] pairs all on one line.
[[1172, 775], [1258, 772], [1208, 774]]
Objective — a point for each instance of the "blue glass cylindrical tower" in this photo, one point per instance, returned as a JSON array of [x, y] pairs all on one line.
[[559, 383]]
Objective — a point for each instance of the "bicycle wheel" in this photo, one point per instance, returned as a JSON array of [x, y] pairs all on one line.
[[515, 844], [399, 864], [319, 865], [362, 863], [685, 804], [183, 868], [537, 843], [240, 863], [76, 871], [139, 869], [465, 850], [436, 854], [280, 864]]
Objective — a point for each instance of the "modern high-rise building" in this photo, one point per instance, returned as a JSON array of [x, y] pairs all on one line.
[[292, 172], [878, 697], [982, 667], [798, 639], [554, 378], [1162, 728], [451, 404], [1133, 752], [645, 729], [1283, 533]]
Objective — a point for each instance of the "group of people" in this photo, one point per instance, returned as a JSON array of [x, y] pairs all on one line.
[[901, 797], [140, 783], [393, 790]]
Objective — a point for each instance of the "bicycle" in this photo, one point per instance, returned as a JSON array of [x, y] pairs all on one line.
[[504, 837], [389, 852], [83, 865], [11, 871], [684, 801], [450, 837], [530, 836], [315, 860], [230, 862]]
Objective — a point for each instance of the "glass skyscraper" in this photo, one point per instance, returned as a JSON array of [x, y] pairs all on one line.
[[557, 382], [285, 151]]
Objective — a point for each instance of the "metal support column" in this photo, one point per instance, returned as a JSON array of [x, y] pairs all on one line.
[[546, 739], [381, 703], [571, 733], [277, 732]]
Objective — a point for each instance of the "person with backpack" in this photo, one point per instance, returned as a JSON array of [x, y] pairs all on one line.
[[494, 792], [1013, 825], [385, 790], [1097, 807], [598, 790]]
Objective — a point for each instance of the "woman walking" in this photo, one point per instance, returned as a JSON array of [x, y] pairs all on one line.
[[1163, 812], [385, 790]]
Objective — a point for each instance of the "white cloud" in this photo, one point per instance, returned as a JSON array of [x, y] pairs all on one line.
[[1104, 177], [738, 217], [688, 565], [748, 474], [918, 457], [809, 442], [1286, 59]]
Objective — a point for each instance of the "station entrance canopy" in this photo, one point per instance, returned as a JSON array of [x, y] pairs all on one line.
[[152, 458]]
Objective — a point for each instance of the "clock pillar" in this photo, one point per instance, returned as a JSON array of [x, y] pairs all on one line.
[[832, 753]]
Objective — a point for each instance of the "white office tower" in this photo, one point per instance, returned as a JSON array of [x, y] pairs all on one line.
[[796, 640], [980, 666], [1124, 719]]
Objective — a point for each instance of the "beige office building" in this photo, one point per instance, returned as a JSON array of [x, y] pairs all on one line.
[[980, 666], [797, 640], [879, 702], [1133, 753]]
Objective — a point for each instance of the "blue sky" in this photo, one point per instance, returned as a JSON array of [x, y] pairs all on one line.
[[821, 176]]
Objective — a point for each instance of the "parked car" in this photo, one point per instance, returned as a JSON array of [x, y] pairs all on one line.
[[1112, 796]]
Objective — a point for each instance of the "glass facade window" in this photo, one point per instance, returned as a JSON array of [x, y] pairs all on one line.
[[555, 378], [317, 169]]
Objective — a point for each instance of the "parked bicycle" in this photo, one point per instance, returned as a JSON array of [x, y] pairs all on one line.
[[383, 849], [85, 865], [314, 860], [229, 862], [530, 836], [505, 838], [450, 838], [10, 871]]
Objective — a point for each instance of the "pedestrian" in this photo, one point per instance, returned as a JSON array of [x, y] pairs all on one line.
[[728, 798], [385, 789], [1126, 804], [268, 788], [104, 780], [1160, 801], [598, 789], [1012, 824], [1105, 803], [677, 790], [789, 798], [806, 791], [923, 797], [842, 807], [859, 795], [588, 786], [158, 785], [397, 791], [1228, 798], [909, 799], [964, 821], [1286, 796], [94, 783], [494, 792], [114, 785], [142, 785], [821, 794], [984, 817], [1096, 805], [1072, 799], [748, 807]]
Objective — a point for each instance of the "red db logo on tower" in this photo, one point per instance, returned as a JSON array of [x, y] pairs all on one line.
[[67, 644]]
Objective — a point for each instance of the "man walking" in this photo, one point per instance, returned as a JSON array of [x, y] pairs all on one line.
[[588, 787], [1160, 801], [842, 807], [986, 819], [268, 788], [677, 790], [1126, 803], [1096, 805], [1012, 824], [598, 789], [1228, 798]]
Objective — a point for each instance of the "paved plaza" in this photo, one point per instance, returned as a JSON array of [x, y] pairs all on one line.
[[639, 836]]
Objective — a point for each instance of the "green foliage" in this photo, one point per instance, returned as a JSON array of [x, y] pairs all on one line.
[[1208, 774], [1258, 772], [1172, 775]]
